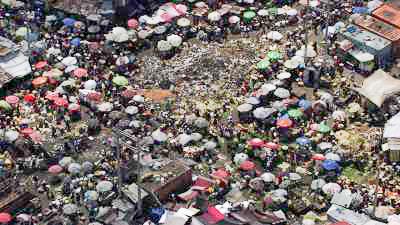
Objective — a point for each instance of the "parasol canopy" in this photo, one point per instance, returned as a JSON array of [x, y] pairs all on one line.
[[283, 75], [104, 186], [27, 131], [21, 32], [201, 122], [214, 16], [239, 158], [323, 128], [331, 188], [282, 93], [90, 85], [69, 22], [61, 102], [94, 29], [133, 23], [268, 177], [70, 209], [210, 145], [234, 19], [317, 184], [255, 142], [64, 162], [291, 12], [91, 195], [294, 176], [87, 167], [131, 110], [5, 217], [263, 64], [24, 217], [12, 99], [30, 98], [330, 165], [284, 123], [174, 40], [311, 53], [55, 169], [118, 34], [262, 12], [4, 105], [69, 61], [76, 42], [274, 55], [318, 157], [74, 168], [274, 35], [291, 64], [120, 81], [263, 113], [183, 22], [245, 107], [11, 135], [159, 136], [333, 156], [247, 165], [80, 72], [295, 113], [38, 81], [249, 15], [303, 141]]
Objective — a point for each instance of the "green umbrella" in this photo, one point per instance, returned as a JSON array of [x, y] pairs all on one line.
[[263, 65], [120, 81], [295, 113], [273, 11], [323, 128], [248, 16], [22, 32], [4, 105], [274, 55]]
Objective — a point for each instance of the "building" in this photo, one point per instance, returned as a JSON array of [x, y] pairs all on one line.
[[371, 43], [389, 14], [382, 29]]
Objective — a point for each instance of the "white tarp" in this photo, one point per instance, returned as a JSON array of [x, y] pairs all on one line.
[[392, 127], [18, 66], [337, 213], [379, 86]]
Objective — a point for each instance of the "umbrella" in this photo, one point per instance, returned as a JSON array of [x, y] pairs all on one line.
[[268, 177], [116, 115], [11, 135], [94, 17], [74, 168], [245, 107], [70, 209], [174, 40], [70, 68], [27, 131], [294, 176], [257, 184], [61, 102], [95, 223], [24, 217], [333, 156], [133, 23], [247, 165], [56, 169], [274, 35], [210, 145], [234, 19], [274, 55], [304, 104], [94, 29], [279, 192], [76, 42], [249, 15], [239, 158], [39, 81], [105, 107], [80, 72], [196, 136], [90, 85], [87, 166], [118, 34], [263, 113], [22, 32], [253, 101], [69, 22], [69, 61], [318, 157], [323, 128], [183, 22], [291, 12], [272, 145], [5, 217], [284, 75], [262, 12], [310, 52], [12, 99], [200, 122], [5, 105], [159, 136], [317, 184], [30, 98], [324, 145], [331, 188], [263, 64], [330, 165], [91, 195], [214, 16], [291, 64], [64, 162], [303, 141], [163, 46], [52, 95], [384, 211], [183, 139], [104, 186], [131, 110], [284, 123], [295, 113], [138, 98], [339, 115], [120, 81], [255, 142], [282, 93]]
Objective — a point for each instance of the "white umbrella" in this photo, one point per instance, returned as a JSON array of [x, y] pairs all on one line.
[[90, 85], [214, 16], [308, 222], [122, 60], [274, 35], [91, 195], [22, 32], [70, 68], [262, 113], [69, 61], [291, 64], [95, 223], [11, 135], [87, 166], [74, 168], [239, 158], [183, 22], [332, 156], [138, 98], [299, 59], [294, 176], [253, 101], [339, 115], [131, 110], [118, 34], [311, 53], [317, 184], [184, 139], [159, 136], [331, 188], [268, 87], [163, 46], [201, 122], [282, 93], [196, 136], [64, 162], [70, 209], [245, 107], [284, 75], [262, 12], [210, 145], [174, 40], [268, 177], [291, 12], [105, 107], [104, 186], [280, 192]]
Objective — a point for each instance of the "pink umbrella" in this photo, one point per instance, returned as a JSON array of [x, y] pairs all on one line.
[[247, 165], [36, 137], [12, 99], [60, 102], [166, 17], [272, 145], [74, 108], [56, 169], [5, 217], [41, 64], [181, 9], [51, 95], [80, 72], [255, 142], [94, 96], [133, 23]]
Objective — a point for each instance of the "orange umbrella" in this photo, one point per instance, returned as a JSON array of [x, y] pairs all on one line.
[[284, 123], [39, 81], [80, 72], [12, 99], [60, 102], [41, 64]]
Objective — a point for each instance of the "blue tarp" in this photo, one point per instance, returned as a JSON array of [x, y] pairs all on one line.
[[360, 10]]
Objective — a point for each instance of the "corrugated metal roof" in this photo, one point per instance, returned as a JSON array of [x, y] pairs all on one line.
[[378, 27], [4, 77], [389, 14]]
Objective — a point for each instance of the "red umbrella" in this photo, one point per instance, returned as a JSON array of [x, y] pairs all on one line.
[[272, 145], [41, 64], [27, 131], [56, 169], [74, 108], [80, 72], [247, 165], [133, 23], [318, 157], [5, 217], [39, 81], [51, 95], [61, 102], [221, 174], [284, 123], [36, 137], [255, 142], [12, 99], [29, 98]]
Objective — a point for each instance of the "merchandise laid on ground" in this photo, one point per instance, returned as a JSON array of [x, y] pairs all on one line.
[[200, 112]]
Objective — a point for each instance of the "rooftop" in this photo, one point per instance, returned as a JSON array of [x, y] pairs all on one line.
[[371, 40], [378, 27], [389, 14]]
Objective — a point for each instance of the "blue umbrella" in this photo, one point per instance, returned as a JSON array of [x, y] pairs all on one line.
[[156, 214], [76, 41], [330, 165], [69, 22], [303, 141], [304, 104]]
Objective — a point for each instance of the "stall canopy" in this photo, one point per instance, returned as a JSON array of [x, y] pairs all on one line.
[[379, 86]]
